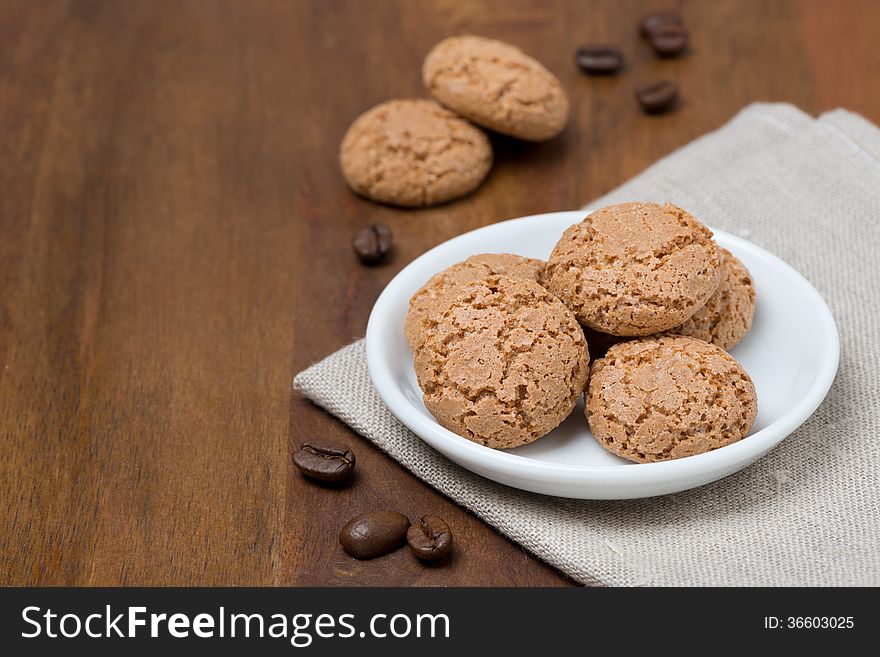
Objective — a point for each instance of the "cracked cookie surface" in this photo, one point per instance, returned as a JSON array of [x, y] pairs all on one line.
[[662, 398], [496, 85], [634, 269], [413, 153], [727, 315], [502, 363], [432, 294]]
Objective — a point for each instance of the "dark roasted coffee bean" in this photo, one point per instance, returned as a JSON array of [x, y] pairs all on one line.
[[372, 243], [374, 534], [324, 460], [657, 97], [599, 60], [431, 539], [651, 23], [669, 40]]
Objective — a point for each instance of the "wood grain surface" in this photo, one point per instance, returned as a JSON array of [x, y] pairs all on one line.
[[175, 247]]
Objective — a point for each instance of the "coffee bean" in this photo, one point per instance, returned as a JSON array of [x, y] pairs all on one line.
[[431, 539], [651, 23], [669, 40], [324, 460], [372, 244], [657, 97], [599, 60], [374, 534]]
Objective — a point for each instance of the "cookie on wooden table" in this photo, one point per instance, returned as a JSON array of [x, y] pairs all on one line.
[[413, 153], [662, 398], [503, 363], [498, 86], [635, 268]]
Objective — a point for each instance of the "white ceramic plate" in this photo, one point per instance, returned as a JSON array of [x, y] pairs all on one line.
[[791, 354]]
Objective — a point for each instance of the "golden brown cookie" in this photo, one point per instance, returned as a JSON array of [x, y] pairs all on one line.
[[727, 315], [634, 268], [431, 295], [497, 86], [503, 362], [662, 398], [413, 153]]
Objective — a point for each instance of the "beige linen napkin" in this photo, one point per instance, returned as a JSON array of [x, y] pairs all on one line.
[[808, 513]]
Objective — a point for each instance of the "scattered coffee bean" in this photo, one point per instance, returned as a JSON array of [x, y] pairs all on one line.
[[670, 40], [657, 97], [599, 60], [371, 244], [374, 534], [324, 460], [431, 539], [651, 23]]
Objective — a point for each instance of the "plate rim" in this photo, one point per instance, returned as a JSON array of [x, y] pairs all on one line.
[[741, 453]]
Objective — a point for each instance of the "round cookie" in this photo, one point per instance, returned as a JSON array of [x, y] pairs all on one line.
[[413, 153], [496, 85], [635, 268], [503, 363], [431, 295], [663, 398], [727, 315]]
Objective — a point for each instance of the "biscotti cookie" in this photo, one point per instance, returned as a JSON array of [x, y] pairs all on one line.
[[503, 362], [431, 295], [635, 268], [413, 153], [496, 85], [727, 315], [662, 398]]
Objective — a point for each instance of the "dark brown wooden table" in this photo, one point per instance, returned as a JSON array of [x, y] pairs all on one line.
[[175, 247]]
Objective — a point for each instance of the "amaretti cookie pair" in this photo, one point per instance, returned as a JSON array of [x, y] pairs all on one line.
[[642, 269], [637, 269], [499, 353], [417, 152]]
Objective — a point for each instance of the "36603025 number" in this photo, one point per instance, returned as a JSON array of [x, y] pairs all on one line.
[[819, 622]]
